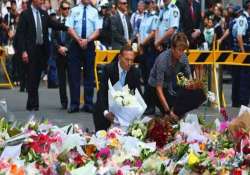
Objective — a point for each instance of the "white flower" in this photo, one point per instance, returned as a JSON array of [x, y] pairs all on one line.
[[137, 133], [211, 97], [119, 100]]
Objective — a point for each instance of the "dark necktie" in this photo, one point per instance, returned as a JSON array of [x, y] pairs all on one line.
[[63, 34], [84, 23], [39, 32], [191, 10]]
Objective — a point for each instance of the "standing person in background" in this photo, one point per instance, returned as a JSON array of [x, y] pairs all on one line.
[[24, 6], [169, 19], [85, 20], [245, 71], [113, 9], [146, 43], [219, 21], [61, 46], [191, 21], [23, 66], [237, 30], [121, 29], [10, 20], [105, 14], [137, 17], [33, 44]]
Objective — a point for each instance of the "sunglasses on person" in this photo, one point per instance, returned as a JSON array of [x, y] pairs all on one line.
[[65, 8], [124, 3]]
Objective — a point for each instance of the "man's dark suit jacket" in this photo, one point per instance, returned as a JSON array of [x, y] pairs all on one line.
[[117, 33], [27, 32], [187, 25], [111, 72], [57, 40]]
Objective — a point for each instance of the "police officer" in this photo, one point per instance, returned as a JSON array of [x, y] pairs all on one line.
[[245, 71], [237, 29], [169, 19], [85, 21], [146, 42]]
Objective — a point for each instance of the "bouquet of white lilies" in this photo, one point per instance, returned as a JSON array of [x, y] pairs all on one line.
[[125, 105]]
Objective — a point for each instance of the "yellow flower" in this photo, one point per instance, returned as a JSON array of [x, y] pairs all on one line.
[[214, 135], [114, 143], [193, 159], [224, 172], [101, 134]]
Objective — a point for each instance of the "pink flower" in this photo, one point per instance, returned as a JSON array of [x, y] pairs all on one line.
[[224, 114], [4, 164], [230, 152], [138, 163], [104, 153], [211, 155], [223, 126], [127, 162], [119, 172]]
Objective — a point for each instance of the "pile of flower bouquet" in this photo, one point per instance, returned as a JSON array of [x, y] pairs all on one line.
[[192, 93], [148, 147]]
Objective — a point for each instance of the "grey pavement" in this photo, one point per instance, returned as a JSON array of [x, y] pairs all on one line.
[[50, 108]]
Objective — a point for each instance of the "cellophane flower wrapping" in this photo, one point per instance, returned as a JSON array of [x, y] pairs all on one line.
[[125, 105]]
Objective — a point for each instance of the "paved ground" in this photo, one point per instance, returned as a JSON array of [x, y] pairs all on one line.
[[50, 108]]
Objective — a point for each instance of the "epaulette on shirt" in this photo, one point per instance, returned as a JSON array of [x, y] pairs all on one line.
[[173, 6]]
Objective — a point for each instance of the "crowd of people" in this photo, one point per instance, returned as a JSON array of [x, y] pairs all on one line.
[[61, 43]]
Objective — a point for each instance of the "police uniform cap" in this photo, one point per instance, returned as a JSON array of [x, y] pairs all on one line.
[[148, 1], [237, 9]]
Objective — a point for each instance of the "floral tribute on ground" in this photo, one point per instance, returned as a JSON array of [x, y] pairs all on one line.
[[147, 147]]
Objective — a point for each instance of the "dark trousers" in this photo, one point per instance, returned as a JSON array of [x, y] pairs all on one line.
[[37, 63], [147, 62], [62, 71], [170, 98], [236, 84], [23, 76], [78, 57], [16, 67], [100, 122], [244, 86]]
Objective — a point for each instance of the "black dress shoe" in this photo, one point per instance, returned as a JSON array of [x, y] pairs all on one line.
[[87, 108], [22, 89], [64, 106], [149, 111], [73, 110], [32, 108]]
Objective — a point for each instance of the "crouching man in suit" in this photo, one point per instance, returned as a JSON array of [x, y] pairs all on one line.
[[121, 70]]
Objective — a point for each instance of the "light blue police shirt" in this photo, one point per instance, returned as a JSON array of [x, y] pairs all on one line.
[[169, 18], [75, 19], [148, 24]]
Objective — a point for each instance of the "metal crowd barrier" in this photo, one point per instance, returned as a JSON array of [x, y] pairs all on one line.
[[214, 57], [4, 71]]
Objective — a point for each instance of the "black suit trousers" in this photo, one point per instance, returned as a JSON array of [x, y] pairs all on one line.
[[62, 71], [36, 65]]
